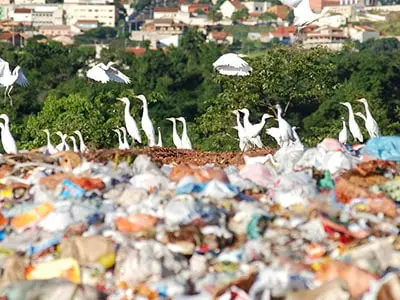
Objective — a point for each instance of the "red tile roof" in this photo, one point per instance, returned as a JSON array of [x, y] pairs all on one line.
[[23, 11], [166, 9], [5, 36], [136, 50], [237, 4], [281, 11], [218, 36], [284, 31]]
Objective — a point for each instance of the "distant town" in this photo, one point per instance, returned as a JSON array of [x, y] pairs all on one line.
[[244, 26]]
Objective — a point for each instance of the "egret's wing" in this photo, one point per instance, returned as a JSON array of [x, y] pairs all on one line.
[[21, 79], [117, 76], [226, 70], [290, 3], [232, 60], [4, 68], [303, 12], [97, 74]]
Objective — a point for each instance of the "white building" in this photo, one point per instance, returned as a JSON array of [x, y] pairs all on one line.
[[47, 15], [165, 12], [333, 21], [361, 33], [229, 7], [24, 2], [23, 15], [104, 14], [257, 7]]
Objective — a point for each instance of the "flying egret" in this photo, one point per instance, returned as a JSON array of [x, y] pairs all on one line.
[[82, 146], [232, 64], [8, 78], [175, 136], [147, 124], [186, 143], [105, 73], [343, 133], [130, 122], [303, 14], [9, 145], [353, 126], [121, 145], [275, 133], [286, 131], [159, 143], [50, 148], [74, 145], [370, 123]]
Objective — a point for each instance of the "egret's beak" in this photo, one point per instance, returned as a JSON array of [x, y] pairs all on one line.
[[342, 103], [119, 99], [358, 100], [276, 119]]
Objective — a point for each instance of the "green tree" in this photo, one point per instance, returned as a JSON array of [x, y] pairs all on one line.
[[215, 15], [240, 14], [268, 16]]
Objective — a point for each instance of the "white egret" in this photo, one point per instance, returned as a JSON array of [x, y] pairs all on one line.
[[159, 143], [105, 73], [353, 126], [249, 128], [63, 145], [74, 145], [295, 135], [286, 131], [175, 136], [8, 78], [82, 146], [147, 124], [303, 14], [186, 143], [253, 130], [343, 133], [243, 140], [121, 145], [370, 124], [232, 64], [50, 148], [124, 137], [275, 133], [9, 145], [130, 123]]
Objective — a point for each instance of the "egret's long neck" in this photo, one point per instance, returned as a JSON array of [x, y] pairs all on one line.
[[344, 124], [74, 145], [367, 111], [159, 137], [351, 114], [119, 138], [238, 121], [81, 139], [124, 136], [279, 113], [174, 131], [48, 139], [145, 108], [127, 109], [246, 120], [184, 132]]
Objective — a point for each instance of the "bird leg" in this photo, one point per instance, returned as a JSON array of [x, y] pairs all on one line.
[[9, 91]]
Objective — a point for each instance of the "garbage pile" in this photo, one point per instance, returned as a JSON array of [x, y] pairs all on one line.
[[318, 223]]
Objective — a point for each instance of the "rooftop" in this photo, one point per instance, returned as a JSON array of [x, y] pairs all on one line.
[[23, 10], [166, 9], [219, 35], [136, 50], [237, 4]]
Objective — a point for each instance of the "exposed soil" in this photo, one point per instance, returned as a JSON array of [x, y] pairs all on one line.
[[166, 155]]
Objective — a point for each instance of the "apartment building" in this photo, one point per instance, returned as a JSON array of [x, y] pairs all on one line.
[[47, 15], [105, 14]]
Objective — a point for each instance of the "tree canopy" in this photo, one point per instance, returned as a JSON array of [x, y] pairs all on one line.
[[181, 82]]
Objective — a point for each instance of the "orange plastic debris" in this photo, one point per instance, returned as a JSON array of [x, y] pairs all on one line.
[[32, 216], [136, 223]]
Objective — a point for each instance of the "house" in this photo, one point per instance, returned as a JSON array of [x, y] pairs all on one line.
[[220, 37], [137, 51], [165, 26], [229, 7], [165, 12], [59, 30], [65, 40], [193, 8], [14, 38], [105, 14], [168, 41], [23, 15], [361, 33], [87, 24], [318, 5], [257, 7], [331, 37]]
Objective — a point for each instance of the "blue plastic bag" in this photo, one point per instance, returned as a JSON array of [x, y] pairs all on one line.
[[384, 147]]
